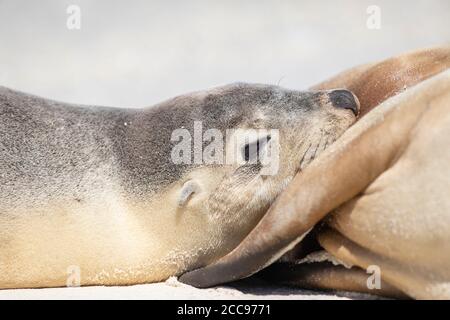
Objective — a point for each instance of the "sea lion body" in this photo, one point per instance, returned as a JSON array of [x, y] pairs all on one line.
[[378, 197], [400, 223], [96, 189]]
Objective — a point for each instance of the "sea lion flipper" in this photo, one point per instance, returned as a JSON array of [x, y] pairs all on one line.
[[325, 276]]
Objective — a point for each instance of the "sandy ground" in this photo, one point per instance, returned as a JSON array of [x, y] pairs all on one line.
[[173, 290]]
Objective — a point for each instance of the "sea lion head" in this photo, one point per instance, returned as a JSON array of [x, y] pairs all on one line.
[[224, 155]]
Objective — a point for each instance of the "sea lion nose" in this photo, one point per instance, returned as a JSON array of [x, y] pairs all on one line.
[[344, 99]]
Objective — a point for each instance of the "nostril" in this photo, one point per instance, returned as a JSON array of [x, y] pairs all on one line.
[[344, 99]]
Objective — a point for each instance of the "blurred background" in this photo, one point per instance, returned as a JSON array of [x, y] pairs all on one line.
[[138, 52]]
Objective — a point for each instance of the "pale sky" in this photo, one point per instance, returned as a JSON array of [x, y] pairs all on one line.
[[137, 53]]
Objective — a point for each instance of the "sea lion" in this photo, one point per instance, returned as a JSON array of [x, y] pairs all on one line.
[[386, 181], [96, 190]]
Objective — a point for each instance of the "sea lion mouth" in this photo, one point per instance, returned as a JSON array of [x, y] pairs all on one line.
[[340, 99]]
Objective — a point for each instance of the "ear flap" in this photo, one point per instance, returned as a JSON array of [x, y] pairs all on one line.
[[189, 188], [337, 175]]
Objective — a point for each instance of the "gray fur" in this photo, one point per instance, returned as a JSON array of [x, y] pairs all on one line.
[[50, 149]]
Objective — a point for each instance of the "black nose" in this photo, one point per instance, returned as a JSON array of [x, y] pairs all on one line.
[[344, 99]]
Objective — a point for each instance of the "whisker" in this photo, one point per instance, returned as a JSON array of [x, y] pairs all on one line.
[[314, 154], [329, 142], [304, 154]]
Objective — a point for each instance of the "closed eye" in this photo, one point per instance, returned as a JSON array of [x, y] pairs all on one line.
[[251, 151]]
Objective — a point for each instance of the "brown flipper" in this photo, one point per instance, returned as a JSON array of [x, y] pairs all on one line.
[[414, 284], [326, 276]]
